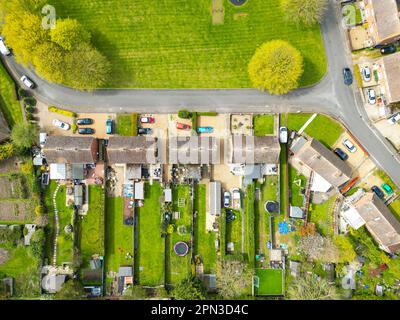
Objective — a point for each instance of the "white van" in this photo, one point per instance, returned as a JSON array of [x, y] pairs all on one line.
[[3, 48]]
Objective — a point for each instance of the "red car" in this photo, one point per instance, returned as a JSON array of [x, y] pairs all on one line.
[[147, 120], [182, 126]]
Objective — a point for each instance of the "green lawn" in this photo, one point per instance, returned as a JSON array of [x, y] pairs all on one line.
[[9, 105], [322, 128], [322, 216], [91, 228], [271, 282], [173, 44], [263, 124], [150, 257], [179, 268], [119, 237], [23, 266], [65, 251], [249, 225], [127, 124], [284, 188], [296, 182], [204, 240], [234, 232]]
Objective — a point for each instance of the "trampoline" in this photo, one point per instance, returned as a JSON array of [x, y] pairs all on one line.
[[238, 2], [181, 249], [271, 207]]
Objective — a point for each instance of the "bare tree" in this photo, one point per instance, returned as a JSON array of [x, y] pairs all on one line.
[[306, 12], [233, 278], [312, 288]]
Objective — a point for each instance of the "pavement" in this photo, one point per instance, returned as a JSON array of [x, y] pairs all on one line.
[[330, 96]]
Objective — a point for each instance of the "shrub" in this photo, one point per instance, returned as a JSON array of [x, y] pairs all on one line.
[[184, 114], [22, 93], [63, 112], [357, 75], [39, 210], [208, 114], [29, 108], [27, 168], [6, 151], [30, 101], [306, 12]]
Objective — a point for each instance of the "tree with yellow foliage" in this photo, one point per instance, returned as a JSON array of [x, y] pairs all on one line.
[[277, 67]]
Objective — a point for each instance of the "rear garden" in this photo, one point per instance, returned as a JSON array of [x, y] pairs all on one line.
[[179, 267], [119, 237], [157, 52], [269, 282], [91, 226], [204, 240], [150, 245]]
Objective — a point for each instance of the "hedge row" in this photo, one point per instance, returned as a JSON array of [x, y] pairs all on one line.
[[63, 112]]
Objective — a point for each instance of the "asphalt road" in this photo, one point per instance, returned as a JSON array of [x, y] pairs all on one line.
[[329, 96]]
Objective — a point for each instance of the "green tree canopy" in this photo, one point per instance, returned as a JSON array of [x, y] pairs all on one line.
[[71, 290], [69, 33], [24, 135], [307, 12], [276, 66], [49, 62], [189, 289], [86, 68]]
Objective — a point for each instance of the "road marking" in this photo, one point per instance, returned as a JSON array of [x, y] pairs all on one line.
[[307, 123]]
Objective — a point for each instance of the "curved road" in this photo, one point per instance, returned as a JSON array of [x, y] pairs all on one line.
[[329, 96]]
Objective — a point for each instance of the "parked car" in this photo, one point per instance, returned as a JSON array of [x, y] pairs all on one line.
[[349, 145], [3, 48], [230, 217], [341, 154], [84, 121], [27, 82], [378, 192], [236, 198], [61, 124], [388, 189], [147, 120], [182, 126], [205, 129], [388, 49], [394, 118], [109, 126], [42, 139], [348, 77], [371, 96], [144, 131], [283, 134], [85, 131], [366, 72], [227, 199]]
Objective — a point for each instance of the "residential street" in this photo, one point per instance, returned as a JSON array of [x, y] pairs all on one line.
[[330, 96]]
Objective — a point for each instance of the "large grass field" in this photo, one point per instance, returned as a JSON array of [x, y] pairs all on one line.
[[119, 237], [173, 43], [91, 227], [204, 240], [179, 268], [150, 257]]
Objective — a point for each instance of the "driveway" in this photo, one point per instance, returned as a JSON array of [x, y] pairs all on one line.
[[330, 96]]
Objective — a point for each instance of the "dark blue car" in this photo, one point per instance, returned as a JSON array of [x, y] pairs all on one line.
[[378, 192], [348, 77]]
